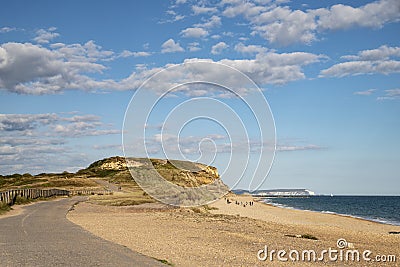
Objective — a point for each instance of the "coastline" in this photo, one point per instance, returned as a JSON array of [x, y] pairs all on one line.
[[359, 217], [229, 234], [331, 213]]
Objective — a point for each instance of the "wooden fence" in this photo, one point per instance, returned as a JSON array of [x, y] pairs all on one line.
[[9, 197]]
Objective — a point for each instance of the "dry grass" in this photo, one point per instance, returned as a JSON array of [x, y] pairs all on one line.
[[70, 183], [122, 199], [4, 208]]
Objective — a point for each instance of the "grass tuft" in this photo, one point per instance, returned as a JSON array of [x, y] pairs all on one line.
[[21, 200], [165, 262], [4, 208], [305, 236]]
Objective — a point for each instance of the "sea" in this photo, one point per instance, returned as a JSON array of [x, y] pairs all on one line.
[[382, 209]]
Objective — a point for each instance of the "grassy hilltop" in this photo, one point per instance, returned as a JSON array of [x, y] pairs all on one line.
[[113, 174]]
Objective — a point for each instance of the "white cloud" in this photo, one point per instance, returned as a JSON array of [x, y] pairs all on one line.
[[32, 69], [392, 94], [365, 92], [193, 47], [127, 53], [174, 15], [201, 10], [180, 2], [381, 53], [52, 124], [282, 25], [275, 68], [194, 33], [287, 148], [30, 141], [218, 48], [179, 17], [373, 15], [383, 60], [44, 36], [361, 67], [170, 46], [24, 122], [7, 29], [89, 51], [228, 34], [247, 9], [249, 49], [212, 22]]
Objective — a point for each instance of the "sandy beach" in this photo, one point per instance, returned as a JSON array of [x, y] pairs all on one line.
[[232, 235]]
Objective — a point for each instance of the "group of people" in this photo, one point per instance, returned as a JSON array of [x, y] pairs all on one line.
[[241, 203]]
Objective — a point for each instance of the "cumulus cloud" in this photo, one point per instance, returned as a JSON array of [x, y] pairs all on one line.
[[275, 68], [31, 69], [202, 10], [44, 36], [30, 141], [383, 60], [249, 49], [212, 22], [27, 68], [218, 48], [194, 33], [280, 24], [245, 8], [170, 46], [381, 53], [372, 15], [89, 51]]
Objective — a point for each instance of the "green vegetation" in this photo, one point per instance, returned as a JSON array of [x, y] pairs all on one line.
[[71, 182], [164, 262], [196, 210], [21, 200], [122, 199], [4, 208], [114, 170], [306, 236], [206, 207]]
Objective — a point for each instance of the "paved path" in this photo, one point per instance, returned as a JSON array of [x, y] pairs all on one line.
[[42, 236]]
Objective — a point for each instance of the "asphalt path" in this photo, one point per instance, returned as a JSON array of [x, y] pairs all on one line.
[[42, 236]]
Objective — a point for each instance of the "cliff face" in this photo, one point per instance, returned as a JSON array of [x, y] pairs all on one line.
[[117, 165], [181, 173]]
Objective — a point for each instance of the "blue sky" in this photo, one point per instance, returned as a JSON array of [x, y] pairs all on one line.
[[329, 70]]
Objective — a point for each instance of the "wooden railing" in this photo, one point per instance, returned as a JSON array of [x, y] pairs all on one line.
[[8, 197]]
